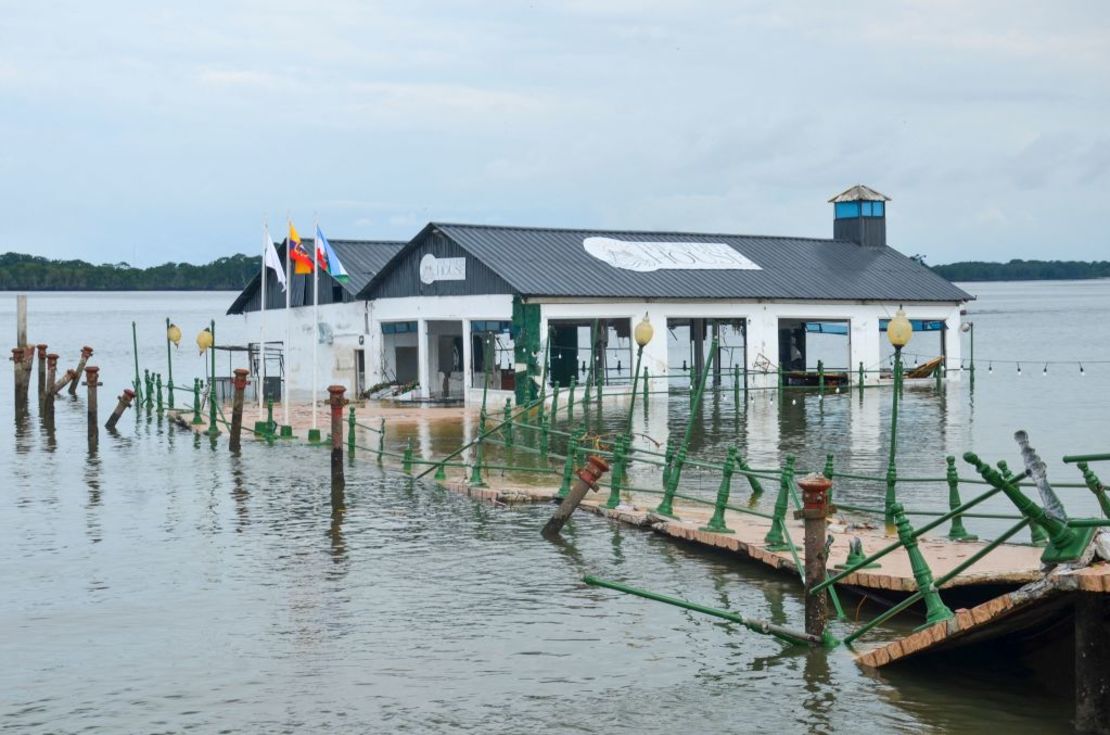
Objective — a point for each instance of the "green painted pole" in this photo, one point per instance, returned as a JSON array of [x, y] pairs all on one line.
[[935, 609], [381, 438], [666, 507], [957, 532], [196, 402], [635, 381], [860, 381], [570, 397], [828, 473], [350, 428], [776, 539], [148, 385], [891, 470], [169, 364], [406, 458], [507, 424], [158, 388], [646, 391], [759, 626], [668, 462], [1037, 536], [821, 377], [616, 477], [555, 402], [717, 522], [270, 426], [213, 429], [757, 487], [476, 469], [1096, 487], [544, 426], [135, 353], [568, 465], [736, 388]]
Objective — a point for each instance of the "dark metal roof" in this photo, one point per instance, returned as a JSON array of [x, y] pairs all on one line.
[[362, 259], [554, 262]]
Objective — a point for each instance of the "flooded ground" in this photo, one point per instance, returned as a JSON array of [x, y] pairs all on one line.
[[159, 585]]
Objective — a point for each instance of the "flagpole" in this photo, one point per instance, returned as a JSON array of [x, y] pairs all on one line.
[[262, 323], [315, 318], [288, 337]]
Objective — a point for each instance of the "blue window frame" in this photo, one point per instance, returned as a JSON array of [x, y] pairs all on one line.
[[847, 210], [919, 325], [398, 327]]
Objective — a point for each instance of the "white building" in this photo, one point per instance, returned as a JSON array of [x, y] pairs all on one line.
[[460, 302]]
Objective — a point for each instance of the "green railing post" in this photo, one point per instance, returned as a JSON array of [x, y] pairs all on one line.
[[169, 365], [635, 386], [891, 470], [196, 402], [821, 377], [1096, 487], [148, 390], [666, 507], [135, 353], [544, 426], [668, 461], [936, 375], [570, 397], [828, 472], [213, 429], [350, 429], [568, 465], [1037, 536], [736, 388], [957, 531], [406, 458], [441, 472], [717, 522], [780, 378], [860, 380], [646, 391], [855, 556], [555, 402], [776, 540], [158, 388], [935, 609], [476, 469], [1065, 544], [757, 487], [507, 424], [381, 438], [270, 425], [616, 476]]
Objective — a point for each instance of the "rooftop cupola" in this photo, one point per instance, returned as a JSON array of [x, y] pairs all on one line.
[[860, 216]]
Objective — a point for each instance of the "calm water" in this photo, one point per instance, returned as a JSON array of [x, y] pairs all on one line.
[[162, 586]]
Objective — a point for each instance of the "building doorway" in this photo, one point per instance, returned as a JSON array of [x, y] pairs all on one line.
[[690, 341], [809, 348]]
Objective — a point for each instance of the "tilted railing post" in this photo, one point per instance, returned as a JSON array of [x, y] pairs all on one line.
[[617, 472], [507, 424], [775, 540], [1037, 536], [756, 485], [717, 522], [568, 464], [935, 609], [666, 507]]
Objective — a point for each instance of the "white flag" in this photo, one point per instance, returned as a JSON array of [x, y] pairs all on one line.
[[272, 260]]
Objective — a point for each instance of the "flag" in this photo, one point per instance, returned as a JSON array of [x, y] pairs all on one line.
[[298, 253], [271, 259], [328, 260]]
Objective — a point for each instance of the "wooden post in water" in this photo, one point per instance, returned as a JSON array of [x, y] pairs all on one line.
[[815, 512], [124, 403], [1092, 651], [239, 383], [51, 375], [41, 349], [586, 481], [65, 380], [92, 378], [86, 353], [337, 402], [19, 381]]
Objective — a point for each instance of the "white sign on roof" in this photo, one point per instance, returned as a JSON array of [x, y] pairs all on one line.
[[653, 256]]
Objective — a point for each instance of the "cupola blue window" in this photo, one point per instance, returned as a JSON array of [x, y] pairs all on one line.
[[850, 210]]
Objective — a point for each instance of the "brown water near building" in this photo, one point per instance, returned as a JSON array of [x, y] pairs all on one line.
[[160, 585]]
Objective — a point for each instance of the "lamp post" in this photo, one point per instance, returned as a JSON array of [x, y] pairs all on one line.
[[969, 327], [642, 334], [898, 331]]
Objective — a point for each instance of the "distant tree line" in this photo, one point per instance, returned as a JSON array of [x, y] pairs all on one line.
[[20, 272], [1024, 270]]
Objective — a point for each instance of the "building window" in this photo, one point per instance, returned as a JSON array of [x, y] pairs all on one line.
[[398, 327], [847, 210]]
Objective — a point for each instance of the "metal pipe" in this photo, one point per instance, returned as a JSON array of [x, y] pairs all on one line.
[[92, 378], [124, 403], [86, 353], [337, 402], [586, 481], [239, 383]]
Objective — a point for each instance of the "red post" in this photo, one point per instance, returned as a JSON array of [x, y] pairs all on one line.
[[239, 382], [86, 353], [125, 399], [586, 481], [815, 512], [337, 402]]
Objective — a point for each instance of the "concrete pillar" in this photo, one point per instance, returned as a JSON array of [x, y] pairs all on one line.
[[423, 358], [697, 338], [1092, 652], [467, 358]]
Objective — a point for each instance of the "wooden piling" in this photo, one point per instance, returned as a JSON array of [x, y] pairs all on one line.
[[19, 381], [86, 353], [51, 375], [815, 512], [92, 378], [124, 403], [239, 382], [1092, 651], [585, 481], [337, 402], [65, 380], [41, 350]]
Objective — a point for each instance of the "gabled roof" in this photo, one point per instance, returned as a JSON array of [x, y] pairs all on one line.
[[362, 259], [538, 261]]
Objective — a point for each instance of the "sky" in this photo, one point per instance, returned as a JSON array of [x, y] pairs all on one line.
[[153, 132]]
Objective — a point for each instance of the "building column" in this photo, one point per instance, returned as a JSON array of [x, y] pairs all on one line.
[[953, 344], [865, 346], [422, 358], [655, 352], [762, 347], [467, 357]]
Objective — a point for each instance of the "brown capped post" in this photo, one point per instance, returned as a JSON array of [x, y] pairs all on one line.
[[20, 371], [86, 353], [585, 481], [65, 380], [815, 512], [51, 374], [41, 350], [239, 382], [124, 403], [92, 381], [337, 402]]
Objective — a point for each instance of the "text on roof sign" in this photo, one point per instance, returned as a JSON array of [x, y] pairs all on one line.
[[653, 256], [434, 269]]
